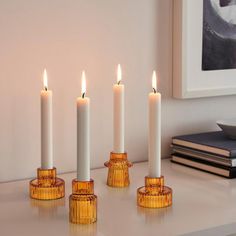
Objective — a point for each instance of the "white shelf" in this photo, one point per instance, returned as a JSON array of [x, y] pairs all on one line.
[[200, 201]]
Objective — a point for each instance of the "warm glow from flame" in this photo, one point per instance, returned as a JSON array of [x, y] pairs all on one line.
[[154, 81], [119, 74], [45, 79], [83, 81]]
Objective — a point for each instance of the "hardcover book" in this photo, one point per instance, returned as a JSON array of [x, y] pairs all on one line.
[[229, 172], [211, 142], [192, 153]]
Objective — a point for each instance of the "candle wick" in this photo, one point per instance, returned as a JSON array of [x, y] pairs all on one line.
[[83, 95], [154, 90], [46, 89], [118, 82]]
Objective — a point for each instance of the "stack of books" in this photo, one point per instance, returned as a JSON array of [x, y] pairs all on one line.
[[212, 152]]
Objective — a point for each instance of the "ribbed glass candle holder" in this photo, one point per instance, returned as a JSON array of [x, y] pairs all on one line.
[[47, 186], [83, 203], [154, 194], [118, 170]]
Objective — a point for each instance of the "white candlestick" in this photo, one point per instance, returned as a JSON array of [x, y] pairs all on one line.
[[154, 142], [118, 115], [46, 126], [83, 135]]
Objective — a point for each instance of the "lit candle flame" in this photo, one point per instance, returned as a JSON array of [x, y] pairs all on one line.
[[83, 81], [119, 74], [45, 80], [154, 81]]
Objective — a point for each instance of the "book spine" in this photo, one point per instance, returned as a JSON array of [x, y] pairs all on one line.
[[232, 173], [232, 154]]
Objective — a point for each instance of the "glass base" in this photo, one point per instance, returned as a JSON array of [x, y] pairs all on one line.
[[47, 186], [118, 170], [83, 203], [154, 194]]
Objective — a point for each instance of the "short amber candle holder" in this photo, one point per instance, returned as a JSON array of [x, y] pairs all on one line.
[[154, 194], [118, 170], [47, 186], [83, 203]]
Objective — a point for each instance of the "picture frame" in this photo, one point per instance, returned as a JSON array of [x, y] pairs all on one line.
[[189, 79]]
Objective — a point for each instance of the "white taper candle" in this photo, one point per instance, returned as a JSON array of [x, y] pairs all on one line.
[[154, 142], [46, 126], [118, 114], [83, 134]]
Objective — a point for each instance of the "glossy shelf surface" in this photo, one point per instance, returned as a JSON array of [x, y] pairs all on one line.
[[201, 201]]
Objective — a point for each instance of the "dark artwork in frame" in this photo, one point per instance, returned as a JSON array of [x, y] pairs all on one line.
[[219, 35]]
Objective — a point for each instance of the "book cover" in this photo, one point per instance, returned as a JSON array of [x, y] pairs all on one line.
[[193, 153], [228, 172], [212, 142]]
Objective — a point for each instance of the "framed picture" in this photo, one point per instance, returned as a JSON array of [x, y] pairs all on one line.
[[204, 48]]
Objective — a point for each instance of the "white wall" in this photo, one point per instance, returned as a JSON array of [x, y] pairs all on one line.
[[67, 36]]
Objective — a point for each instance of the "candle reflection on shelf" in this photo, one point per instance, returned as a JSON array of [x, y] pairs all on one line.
[[47, 209], [85, 230], [153, 216]]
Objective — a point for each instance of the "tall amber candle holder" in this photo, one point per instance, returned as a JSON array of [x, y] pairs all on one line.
[[154, 194], [118, 170], [83, 203], [47, 186]]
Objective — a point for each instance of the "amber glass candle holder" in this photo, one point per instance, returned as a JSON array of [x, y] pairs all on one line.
[[154, 194], [83, 202], [47, 186], [118, 170]]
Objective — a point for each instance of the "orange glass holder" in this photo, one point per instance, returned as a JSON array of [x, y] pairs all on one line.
[[47, 186], [82, 203], [118, 170], [154, 194]]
